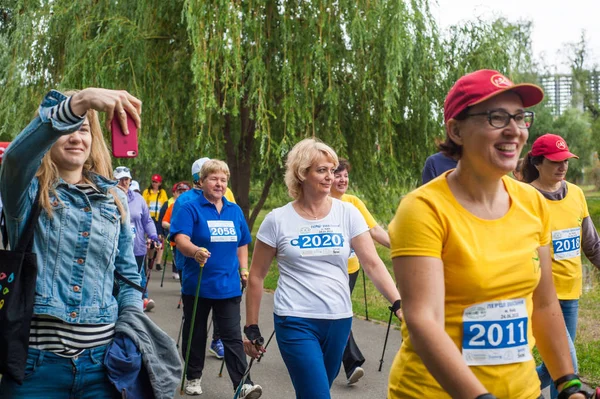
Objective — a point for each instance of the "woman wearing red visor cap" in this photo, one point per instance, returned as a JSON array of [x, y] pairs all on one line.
[[471, 257], [545, 168]]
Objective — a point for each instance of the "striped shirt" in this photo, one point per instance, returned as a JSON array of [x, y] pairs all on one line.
[[68, 340], [64, 339], [62, 112]]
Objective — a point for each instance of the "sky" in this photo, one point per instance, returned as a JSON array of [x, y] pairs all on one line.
[[555, 23]]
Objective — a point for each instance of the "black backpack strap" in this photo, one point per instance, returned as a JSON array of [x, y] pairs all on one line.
[[119, 276], [4, 232], [25, 243]]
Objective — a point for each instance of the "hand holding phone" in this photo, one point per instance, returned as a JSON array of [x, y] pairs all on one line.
[[124, 146]]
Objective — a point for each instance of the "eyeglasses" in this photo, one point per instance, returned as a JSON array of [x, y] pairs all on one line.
[[500, 119], [121, 169]]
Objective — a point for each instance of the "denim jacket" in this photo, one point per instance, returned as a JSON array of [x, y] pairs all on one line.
[[81, 245]]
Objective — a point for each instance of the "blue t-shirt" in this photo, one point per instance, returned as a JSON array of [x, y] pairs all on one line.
[[221, 234], [190, 195], [435, 165]]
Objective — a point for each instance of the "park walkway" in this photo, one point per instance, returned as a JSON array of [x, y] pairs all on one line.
[[271, 373]]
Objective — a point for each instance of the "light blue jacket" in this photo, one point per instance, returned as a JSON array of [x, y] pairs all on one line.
[[79, 247]]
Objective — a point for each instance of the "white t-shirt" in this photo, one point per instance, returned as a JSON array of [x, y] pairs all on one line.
[[313, 260]]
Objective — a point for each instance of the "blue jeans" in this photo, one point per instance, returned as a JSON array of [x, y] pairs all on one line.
[[142, 269], [312, 351], [570, 311], [50, 376]]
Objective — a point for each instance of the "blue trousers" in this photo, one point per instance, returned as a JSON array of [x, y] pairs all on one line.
[[312, 351], [570, 311], [50, 376]]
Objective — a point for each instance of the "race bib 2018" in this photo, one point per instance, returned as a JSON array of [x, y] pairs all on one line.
[[566, 243], [495, 333]]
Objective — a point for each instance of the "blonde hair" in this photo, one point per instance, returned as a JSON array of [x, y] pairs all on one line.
[[299, 160], [98, 162], [213, 166]]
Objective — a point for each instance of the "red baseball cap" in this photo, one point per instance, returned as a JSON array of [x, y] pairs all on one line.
[[3, 147], [157, 178], [553, 147], [482, 85], [182, 185]]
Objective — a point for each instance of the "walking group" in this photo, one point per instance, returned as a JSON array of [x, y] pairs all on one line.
[[487, 266]]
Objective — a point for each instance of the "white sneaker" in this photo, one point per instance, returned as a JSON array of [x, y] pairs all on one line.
[[193, 387], [250, 391], [356, 375], [175, 276]]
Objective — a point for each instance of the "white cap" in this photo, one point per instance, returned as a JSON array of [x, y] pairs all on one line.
[[121, 172], [134, 186], [197, 165]]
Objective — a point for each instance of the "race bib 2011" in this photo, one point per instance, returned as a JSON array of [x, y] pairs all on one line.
[[496, 333]]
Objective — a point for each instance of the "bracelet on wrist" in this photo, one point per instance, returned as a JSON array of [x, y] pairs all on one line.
[[486, 395], [565, 378]]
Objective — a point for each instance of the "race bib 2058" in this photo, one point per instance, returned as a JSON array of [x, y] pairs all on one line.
[[222, 231]]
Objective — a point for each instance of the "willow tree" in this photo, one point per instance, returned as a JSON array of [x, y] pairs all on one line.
[[246, 80], [360, 75], [139, 46]]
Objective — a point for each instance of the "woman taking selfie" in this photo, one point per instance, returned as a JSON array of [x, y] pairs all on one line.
[[82, 236]]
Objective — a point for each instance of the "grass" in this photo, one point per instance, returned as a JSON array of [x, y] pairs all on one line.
[[588, 335]]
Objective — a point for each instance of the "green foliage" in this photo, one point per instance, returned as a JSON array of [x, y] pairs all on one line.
[[244, 81]]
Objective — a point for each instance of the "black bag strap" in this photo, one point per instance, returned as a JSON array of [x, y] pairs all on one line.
[[25, 243], [4, 232], [119, 276]]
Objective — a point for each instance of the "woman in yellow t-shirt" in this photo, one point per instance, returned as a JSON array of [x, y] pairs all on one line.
[[545, 168], [471, 257], [353, 358], [155, 196]]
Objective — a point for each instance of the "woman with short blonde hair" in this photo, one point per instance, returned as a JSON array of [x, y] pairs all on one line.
[[299, 161], [213, 166], [212, 231], [311, 237]]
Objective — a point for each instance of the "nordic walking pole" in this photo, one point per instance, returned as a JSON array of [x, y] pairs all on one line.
[[266, 346], [190, 335], [223, 360], [165, 265], [365, 291], [386, 339], [180, 331], [258, 342], [150, 267]]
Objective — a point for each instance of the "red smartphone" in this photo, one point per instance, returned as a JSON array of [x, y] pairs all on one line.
[[124, 146]]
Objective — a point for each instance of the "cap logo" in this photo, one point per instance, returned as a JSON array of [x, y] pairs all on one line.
[[500, 81], [561, 145]]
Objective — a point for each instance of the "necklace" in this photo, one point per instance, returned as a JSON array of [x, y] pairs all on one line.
[[306, 212], [309, 214]]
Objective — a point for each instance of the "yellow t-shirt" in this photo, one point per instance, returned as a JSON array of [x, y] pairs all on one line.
[[353, 265], [229, 195], [565, 223], [155, 201], [490, 266]]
